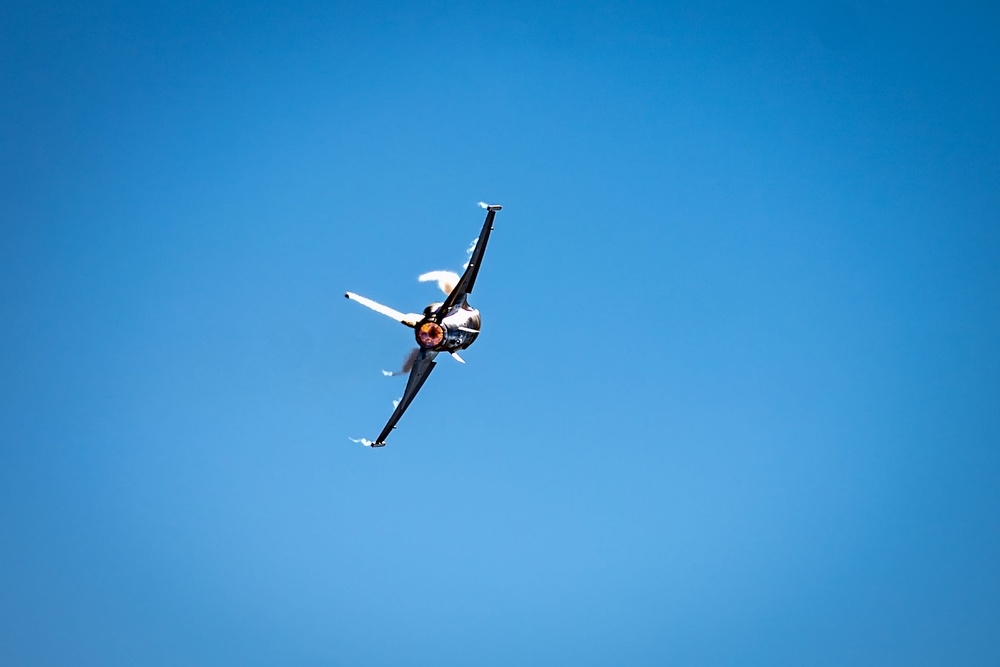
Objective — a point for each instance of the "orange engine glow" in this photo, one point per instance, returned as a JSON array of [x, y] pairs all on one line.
[[430, 335]]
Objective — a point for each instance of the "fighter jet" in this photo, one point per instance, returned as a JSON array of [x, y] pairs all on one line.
[[445, 326]]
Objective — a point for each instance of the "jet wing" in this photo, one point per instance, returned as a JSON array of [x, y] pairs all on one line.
[[468, 279], [422, 368]]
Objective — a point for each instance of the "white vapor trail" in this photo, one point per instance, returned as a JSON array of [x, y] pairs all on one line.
[[407, 364], [469, 251], [483, 204], [363, 441], [446, 280]]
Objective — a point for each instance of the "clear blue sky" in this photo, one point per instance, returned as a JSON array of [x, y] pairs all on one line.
[[737, 396]]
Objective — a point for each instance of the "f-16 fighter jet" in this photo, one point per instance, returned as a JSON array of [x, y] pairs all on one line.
[[447, 326]]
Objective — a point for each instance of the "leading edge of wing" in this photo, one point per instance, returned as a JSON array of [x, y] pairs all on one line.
[[421, 370], [468, 279]]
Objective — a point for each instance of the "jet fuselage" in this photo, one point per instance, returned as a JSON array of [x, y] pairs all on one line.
[[455, 332]]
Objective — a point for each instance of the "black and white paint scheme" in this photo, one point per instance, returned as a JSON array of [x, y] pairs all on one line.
[[445, 326]]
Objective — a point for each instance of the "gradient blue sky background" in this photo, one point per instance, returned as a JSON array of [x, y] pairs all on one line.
[[736, 402]]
